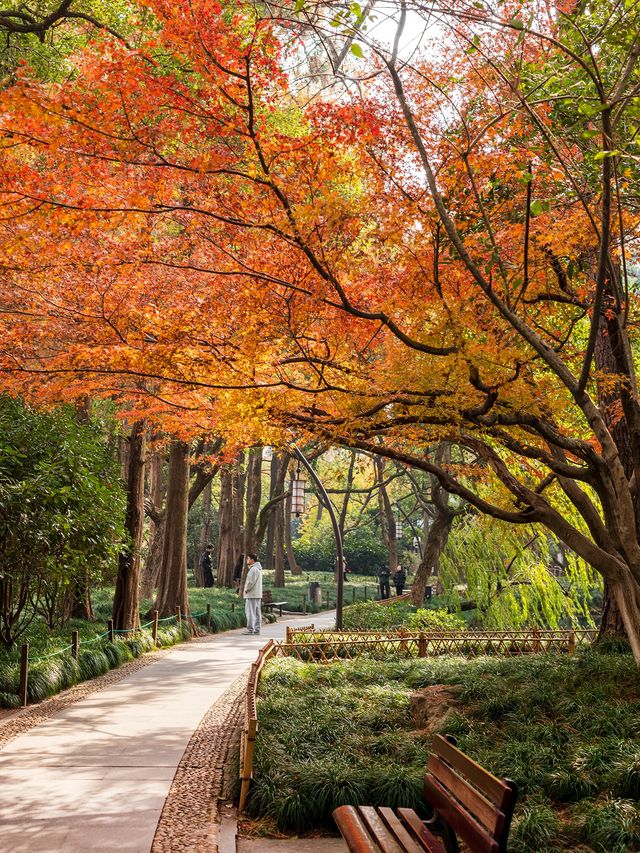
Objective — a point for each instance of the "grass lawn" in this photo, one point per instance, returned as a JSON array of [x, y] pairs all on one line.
[[566, 729], [357, 588]]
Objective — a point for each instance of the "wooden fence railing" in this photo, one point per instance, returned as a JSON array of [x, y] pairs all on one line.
[[248, 739], [322, 647]]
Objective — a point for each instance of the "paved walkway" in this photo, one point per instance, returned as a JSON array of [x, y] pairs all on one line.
[[94, 777]]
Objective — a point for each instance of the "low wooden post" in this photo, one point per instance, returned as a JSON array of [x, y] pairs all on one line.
[[209, 616], [572, 642], [24, 674], [75, 644], [304, 602], [404, 645], [288, 634], [110, 629], [179, 617], [328, 600], [353, 595], [233, 606], [365, 592], [537, 646], [154, 628], [422, 645]]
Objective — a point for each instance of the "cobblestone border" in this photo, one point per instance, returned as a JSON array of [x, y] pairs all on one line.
[[190, 814]]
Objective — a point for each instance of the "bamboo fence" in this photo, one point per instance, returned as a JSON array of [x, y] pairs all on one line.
[[248, 739], [324, 646]]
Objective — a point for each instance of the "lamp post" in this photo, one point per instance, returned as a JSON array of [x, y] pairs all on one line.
[[334, 521], [397, 523]]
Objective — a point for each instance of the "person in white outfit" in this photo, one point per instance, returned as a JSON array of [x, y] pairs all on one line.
[[252, 594]]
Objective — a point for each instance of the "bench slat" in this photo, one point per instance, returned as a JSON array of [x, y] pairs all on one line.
[[461, 821], [353, 830], [409, 844], [378, 830], [426, 838], [487, 813], [492, 787]]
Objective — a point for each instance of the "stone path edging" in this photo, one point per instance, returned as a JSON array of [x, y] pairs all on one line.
[[189, 818]]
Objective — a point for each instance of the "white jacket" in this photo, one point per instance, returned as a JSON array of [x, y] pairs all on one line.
[[253, 583]]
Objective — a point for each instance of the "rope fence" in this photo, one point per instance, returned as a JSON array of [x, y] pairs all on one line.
[[111, 633]]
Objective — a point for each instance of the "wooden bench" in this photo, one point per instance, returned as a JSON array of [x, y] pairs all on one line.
[[469, 803], [268, 604]]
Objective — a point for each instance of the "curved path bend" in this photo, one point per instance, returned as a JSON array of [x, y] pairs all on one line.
[[94, 776]]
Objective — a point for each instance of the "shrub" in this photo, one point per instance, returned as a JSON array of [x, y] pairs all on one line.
[[372, 616], [435, 620]]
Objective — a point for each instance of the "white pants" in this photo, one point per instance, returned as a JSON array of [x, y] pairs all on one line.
[[252, 611]]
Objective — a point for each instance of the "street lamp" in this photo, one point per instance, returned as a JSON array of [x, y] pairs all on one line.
[[336, 531]]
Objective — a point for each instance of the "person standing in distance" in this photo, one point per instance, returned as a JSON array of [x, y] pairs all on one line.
[[383, 576], [206, 564], [399, 580], [252, 594]]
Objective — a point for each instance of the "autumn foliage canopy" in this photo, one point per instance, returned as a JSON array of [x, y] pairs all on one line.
[[229, 232]]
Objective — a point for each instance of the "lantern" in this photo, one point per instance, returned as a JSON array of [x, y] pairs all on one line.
[[297, 493]]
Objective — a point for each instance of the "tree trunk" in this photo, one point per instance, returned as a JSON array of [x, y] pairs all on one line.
[[225, 561], [204, 533], [342, 519], [253, 496], [238, 484], [153, 563], [435, 541], [172, 590], [126, 608], [157, 487], [271, 528], [81, 606], [609, 401], [387, 519], [278, 562], [611, 625], [627, 595]]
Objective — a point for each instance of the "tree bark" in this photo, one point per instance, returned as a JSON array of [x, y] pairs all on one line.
[[271, 524], [238, 485], [157, 487], [387, 519], [278, 561], [609, 363], [225, 561], [204, 533], [253, 497], [81, 606], [126, 606], [172, 590], [435, 542]]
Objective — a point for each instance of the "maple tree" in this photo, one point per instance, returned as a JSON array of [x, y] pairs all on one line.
[[439, 256]]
